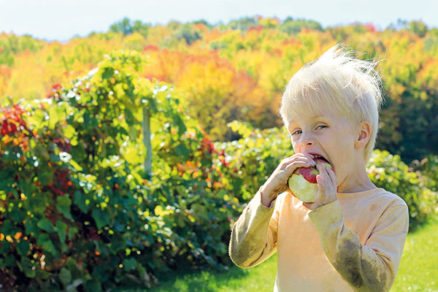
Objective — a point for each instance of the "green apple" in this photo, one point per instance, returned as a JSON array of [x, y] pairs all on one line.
[[303, 182], [302, 188]]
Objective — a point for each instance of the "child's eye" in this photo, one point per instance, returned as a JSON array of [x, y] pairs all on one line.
[[296, 132], [321, 127]]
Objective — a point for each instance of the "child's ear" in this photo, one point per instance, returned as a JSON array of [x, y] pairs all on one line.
[[364, 135]]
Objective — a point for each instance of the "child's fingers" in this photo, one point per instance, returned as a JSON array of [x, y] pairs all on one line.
[[287, 161], [328, 183], [328, 174], [297, 163], [322, 177], [326, 180], [320, 180], [332, 176], [297, 159]]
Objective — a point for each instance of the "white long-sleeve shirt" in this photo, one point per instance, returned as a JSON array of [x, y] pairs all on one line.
[[354, 243]]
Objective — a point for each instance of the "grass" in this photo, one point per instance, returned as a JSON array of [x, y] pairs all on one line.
[[259, 278], [418, 270]]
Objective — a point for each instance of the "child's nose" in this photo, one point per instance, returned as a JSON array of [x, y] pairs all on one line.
[[306, 139], [305, 142]]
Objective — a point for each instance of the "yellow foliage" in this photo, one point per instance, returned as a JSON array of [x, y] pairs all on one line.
[[226, 74]]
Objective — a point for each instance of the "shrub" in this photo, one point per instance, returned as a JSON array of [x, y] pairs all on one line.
[[70, 211], [78, 210], [427, 169], [253, 158], [389, 172]]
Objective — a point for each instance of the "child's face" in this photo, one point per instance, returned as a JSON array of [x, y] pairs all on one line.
[[330, 135]]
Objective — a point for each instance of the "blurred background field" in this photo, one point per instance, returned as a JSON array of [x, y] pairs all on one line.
[[127, 155]]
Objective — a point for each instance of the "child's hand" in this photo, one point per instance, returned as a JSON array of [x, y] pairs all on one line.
[[327, 188], [277, 182]]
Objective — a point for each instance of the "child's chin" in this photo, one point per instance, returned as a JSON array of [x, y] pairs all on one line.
[[302, 189]]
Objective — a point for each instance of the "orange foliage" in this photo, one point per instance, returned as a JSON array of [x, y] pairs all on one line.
[[224, 73]]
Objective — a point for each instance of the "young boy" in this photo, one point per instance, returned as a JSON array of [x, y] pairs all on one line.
[[352, 236]]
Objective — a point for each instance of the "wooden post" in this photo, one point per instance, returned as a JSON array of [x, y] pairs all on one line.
[[147, 141]]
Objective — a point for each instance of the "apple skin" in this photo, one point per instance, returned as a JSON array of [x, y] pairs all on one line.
[[303, 183], [302, 189]]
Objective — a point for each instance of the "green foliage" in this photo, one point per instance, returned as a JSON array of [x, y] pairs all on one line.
[[254, 157], [418, 27], [389, 172], [77, 209], [293, 26], [431, 43], [428, 171], [243, 24], [260, 55], [203, 22], [68, 218], [188, 34], [127, 26], [402, 124], [11, 45]]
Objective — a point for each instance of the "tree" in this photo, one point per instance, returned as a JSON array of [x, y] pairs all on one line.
[[126, 27]]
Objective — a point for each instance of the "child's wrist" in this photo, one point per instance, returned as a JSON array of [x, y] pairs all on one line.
[[266, 197]]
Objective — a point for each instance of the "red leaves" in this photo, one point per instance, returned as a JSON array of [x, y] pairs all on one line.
[[8, 128], [12, 117], [370, 27], [150, 48], [56, 87], [222, 158], [54, 92], [63, 144], [93, 235], [13, 127], [257, 28], [51, 214], [207, 145], [62, 183]]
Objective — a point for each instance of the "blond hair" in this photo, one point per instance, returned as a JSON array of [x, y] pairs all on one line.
[[336, 80]]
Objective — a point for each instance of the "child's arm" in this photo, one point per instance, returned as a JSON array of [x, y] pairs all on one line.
[[369, 267], [254, 235]]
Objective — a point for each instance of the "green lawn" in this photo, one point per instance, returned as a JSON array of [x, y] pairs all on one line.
[[418, 270], [419, 265]]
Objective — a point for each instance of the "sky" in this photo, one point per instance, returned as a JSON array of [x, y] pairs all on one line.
[[61, 20]]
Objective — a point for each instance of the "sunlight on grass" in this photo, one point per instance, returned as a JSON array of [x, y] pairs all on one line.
[[260, 278], [419, 265]]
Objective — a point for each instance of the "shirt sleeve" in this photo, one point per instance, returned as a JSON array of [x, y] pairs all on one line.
[[367, 267], [254, 235]]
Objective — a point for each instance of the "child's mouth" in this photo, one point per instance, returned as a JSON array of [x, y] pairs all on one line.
[[320, 158]]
